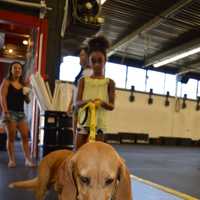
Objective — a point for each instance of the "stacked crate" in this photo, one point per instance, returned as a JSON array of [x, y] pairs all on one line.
[[56, 129]]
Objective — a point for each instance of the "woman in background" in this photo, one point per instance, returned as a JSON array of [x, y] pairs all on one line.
[[84, 72], [13, 95], [96, 89]]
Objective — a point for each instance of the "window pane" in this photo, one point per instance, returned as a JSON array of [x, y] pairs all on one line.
[[155, 81], [190, 88], [170, 84], [136, 77], [179, 89], [117, 73], [69, 68], [198, 94]]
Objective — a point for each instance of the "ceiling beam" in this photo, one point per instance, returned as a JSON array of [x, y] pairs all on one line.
[[194, 66], [148, 26], [173, 52], [10, 60], [14, 34]]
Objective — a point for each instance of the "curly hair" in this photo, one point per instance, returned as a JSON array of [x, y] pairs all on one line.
[[98, 43]]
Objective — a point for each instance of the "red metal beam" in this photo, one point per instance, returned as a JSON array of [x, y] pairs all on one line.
[[18, 18]]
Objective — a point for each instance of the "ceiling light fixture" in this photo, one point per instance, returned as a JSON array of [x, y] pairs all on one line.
[[25, 42], [177, 57], [102, 1], [10, 50]]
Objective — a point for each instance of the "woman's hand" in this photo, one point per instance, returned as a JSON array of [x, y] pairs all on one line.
[[26, 91], [6, 116]]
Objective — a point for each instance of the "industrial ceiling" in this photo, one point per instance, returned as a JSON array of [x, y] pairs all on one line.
[[143, 32], [149, 31]]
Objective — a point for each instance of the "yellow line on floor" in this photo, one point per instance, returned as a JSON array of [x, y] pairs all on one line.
[[165, 189]]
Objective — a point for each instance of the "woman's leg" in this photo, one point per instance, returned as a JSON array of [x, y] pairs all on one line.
[[74, 126], [11, 128], [24, 130]]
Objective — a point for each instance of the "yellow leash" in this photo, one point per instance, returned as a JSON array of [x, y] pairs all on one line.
[[92, 121]]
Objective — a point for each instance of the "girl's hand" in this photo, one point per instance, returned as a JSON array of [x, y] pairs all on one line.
[[97, 102]]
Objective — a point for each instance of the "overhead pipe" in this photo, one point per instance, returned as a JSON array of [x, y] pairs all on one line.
[[195, 66], [64, 22]]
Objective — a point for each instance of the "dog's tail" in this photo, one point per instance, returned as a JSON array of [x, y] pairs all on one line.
[[30, 184]]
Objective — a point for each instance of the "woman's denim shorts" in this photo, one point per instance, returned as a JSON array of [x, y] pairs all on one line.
[[15, 116]]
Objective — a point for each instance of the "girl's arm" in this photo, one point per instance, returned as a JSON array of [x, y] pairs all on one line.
[[111, 96], [79, 100], [3, 95]]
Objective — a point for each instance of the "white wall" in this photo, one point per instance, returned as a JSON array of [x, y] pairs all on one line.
[[155, 119]]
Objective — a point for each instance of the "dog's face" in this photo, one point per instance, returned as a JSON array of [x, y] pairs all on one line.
[[96, 173]]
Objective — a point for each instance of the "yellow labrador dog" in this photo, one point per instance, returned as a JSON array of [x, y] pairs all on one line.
[[94, 172], [47, 174]]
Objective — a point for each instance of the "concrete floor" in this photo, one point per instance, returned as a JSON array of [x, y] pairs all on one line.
[[174, 167], [143, 191]]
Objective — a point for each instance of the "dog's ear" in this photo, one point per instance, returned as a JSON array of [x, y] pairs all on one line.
[[65, 181], [123, 190]]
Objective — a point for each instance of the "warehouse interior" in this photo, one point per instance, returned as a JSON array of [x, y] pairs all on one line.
[[157, 134]]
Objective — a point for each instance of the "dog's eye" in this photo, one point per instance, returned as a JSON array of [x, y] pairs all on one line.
[[109, 181], [85, 180]]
